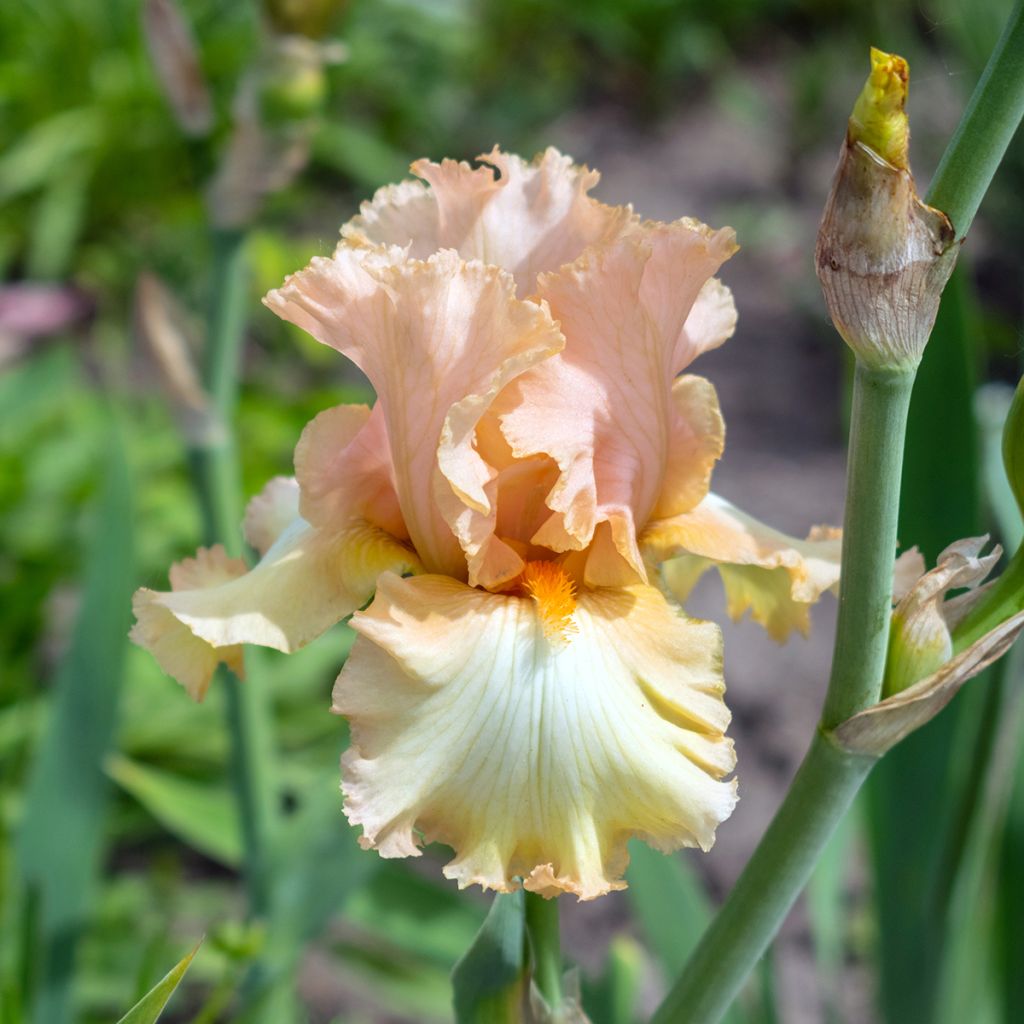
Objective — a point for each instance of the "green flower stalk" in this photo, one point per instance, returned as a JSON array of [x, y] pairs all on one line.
[[883, 258]]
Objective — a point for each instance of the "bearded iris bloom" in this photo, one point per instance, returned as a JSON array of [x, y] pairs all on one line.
[[527, 503]]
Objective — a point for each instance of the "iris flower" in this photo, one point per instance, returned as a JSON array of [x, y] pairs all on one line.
[[527, 504]]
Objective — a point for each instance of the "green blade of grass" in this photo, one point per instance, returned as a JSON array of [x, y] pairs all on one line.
[[61, 836], [201, 814], [317, 864], [980, 976], [1010, 909], [614, 998], [968, 977], [148, 1009]]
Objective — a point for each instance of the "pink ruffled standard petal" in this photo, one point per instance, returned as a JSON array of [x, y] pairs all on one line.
[[605, 409], [528, 218], [533, 734], [344, 470], [438, 340]]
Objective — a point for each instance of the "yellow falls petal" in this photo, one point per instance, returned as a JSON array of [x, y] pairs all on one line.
[[271, 512], [775, 577], [533, 755], [308, 580], [180, 653]]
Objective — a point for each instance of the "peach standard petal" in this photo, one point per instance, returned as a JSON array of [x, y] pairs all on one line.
[[344, 470], [604, 409], [528, 218], [775, 577], [534, 753], [696, 443], [438, 340]]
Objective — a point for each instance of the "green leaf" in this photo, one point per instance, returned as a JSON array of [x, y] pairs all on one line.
[[318, 865], [359, 153], [1010, 909], [614, 998], [669, 902], [969, 978], [151, 1005], [202, 814], [415, 914], [672, 908], [44, 152], [59, 216], [913, 792], [61, 840], [1001, 454], [1013, 446], [489, 982]]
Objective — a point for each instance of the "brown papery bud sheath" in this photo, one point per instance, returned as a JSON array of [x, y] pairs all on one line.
[[883, 257]]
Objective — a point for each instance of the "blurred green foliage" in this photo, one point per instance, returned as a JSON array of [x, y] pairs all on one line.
[[97, 183]]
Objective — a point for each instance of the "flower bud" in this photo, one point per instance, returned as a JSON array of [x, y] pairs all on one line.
[[293, 86], [920, 639], [925, 669], [883, 257], [1013, 445]]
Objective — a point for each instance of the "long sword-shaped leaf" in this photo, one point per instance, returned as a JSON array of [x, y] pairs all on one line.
[[489, 981], [911, 793], [202, 814], [970, 968], [673, 910], [62, 834]]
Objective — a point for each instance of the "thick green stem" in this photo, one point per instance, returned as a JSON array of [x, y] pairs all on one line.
[[216, 470], [820, 794], [828, 779], [545, 947], [881, 402], [985, 130], [215, 460]]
